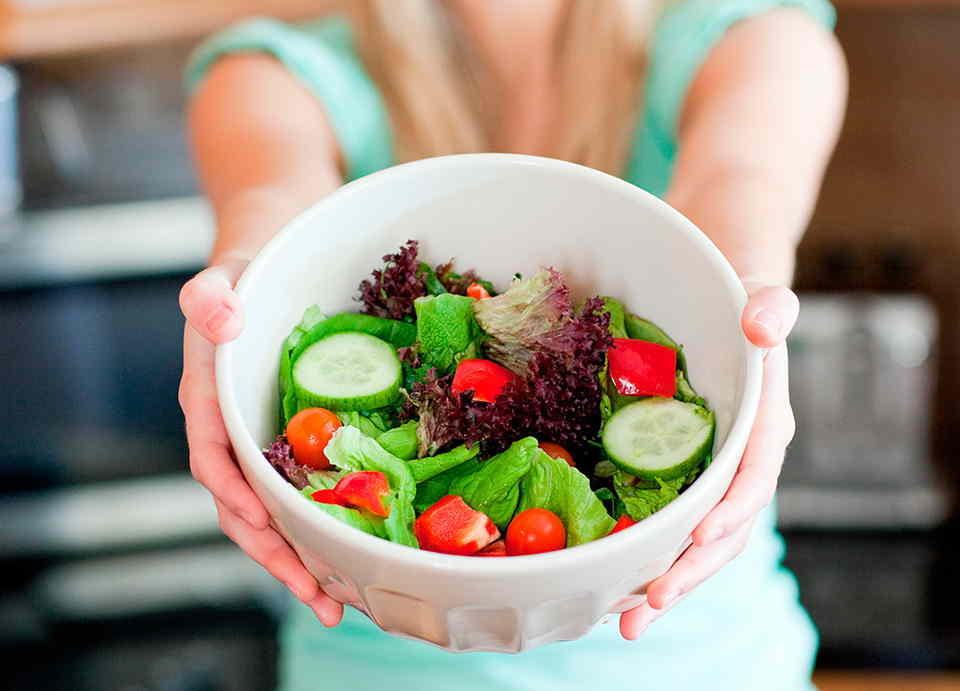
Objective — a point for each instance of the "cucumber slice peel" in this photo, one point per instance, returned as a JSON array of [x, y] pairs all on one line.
[[347, 371], [659, 437]]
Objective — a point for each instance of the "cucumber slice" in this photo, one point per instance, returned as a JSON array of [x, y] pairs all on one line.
[[659, 437], [347, 371]]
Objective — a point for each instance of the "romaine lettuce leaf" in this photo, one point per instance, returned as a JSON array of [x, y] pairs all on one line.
[[400, 441], [552, 484], [371, 426], [618, 315], [640, 501], [351, 450], [430, 491], [430, 466], [447, 331], [494, 488]]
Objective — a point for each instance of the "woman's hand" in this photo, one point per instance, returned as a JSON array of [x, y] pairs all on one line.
[[214, 315], [767, 320]]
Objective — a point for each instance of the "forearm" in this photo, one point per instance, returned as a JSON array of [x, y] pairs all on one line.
[[259, 164], [753, 222], [247, 218], [759, 124]]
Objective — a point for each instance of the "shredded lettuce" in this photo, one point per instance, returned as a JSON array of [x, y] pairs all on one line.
[[351, 450], [552, 484]]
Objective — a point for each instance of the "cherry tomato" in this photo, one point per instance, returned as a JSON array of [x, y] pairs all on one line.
[[477, 291], [534, 531], [557, 451], [484, 377], [622, 523], [308, 433]]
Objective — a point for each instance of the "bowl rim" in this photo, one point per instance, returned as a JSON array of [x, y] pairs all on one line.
[[245, 446]]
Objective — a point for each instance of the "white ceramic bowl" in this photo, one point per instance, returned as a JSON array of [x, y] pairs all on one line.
[[499, 214]]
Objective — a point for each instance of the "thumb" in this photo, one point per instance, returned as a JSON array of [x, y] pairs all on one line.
[[209, 303], [769, 315]]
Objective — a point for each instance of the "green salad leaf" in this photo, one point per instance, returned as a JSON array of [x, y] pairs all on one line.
[[431, 490], [618, 314], [400, 441], [641, 501], [431, 466], [314, 327], [686, 393], [288, 397], [430, 280], [446, 330], [552, 484], [351, 450], [371, 425], [494, 488]]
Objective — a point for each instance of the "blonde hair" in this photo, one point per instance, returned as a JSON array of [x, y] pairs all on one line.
[[429, 80]]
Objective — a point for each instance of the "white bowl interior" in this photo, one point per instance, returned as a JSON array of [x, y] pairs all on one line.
[[501, 215]]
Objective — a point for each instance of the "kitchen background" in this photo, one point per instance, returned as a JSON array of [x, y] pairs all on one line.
[[113, 573]]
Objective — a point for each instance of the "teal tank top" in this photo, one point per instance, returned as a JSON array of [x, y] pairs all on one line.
[[743, 629]]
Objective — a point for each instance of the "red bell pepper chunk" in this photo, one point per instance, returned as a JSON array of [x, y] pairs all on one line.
[[452, 527], [365, 490], [328, 496], [494, 549], [642, 368], [622, 523], [477, 291], [484, 377]]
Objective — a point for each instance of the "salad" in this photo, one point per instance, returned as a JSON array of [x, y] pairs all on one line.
[[447, 417]]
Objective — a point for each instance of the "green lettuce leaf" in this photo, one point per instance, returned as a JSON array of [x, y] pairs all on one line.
[[365, 522], [431, 490], [430, 280], [314, 327], [494, 488], [446, 330], [686, 393], [552, 484], [430, 466], [351, 450], [369, 425], [400, 441], [640, 501], [288, 398], [618, 315]]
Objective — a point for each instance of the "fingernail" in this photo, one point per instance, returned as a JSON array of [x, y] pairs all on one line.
[[221, 316], [769, 321]]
